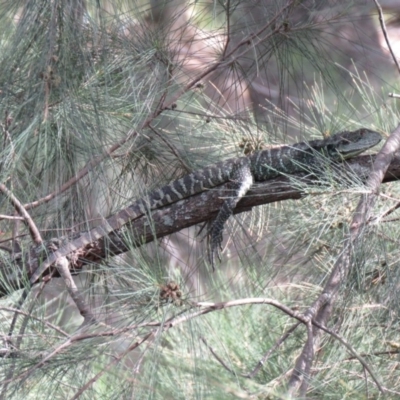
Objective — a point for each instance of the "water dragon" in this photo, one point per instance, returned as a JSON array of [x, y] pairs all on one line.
[[240, 173]]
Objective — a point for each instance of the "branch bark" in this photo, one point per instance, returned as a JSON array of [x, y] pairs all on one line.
[[175, 217]]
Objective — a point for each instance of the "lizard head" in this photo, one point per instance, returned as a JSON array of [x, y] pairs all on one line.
[[344, 145]]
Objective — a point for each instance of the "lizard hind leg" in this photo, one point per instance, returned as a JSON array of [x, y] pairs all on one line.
[[240, 182]]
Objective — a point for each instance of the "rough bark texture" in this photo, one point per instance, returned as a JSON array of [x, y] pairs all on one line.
[[187, 212]]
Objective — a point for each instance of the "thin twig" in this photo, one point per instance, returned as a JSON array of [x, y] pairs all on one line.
[[271, 350], [39, 319], [33, 230], [379, 218], [10, 217], [65, 273], [366, 383], [212, 116], [383, 26], [376, 353], [307, 365], [263, 359], [7, 136], [9, 377], [228, 27], [352, 351], [83, 172], [218, 358], [160, 105], [172, 148], [113, 362]]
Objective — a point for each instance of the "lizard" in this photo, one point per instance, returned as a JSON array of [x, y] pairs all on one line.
[[239, 172]]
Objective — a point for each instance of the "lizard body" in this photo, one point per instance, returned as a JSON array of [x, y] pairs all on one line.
[[240, 173]]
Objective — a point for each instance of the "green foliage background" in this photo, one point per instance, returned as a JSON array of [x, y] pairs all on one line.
[[114, 88]]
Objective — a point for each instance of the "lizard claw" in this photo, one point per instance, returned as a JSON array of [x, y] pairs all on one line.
[[215, 244], [214, 251], [212, 260]]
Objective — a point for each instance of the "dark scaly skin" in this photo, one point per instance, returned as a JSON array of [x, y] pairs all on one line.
[[299, 157], [240, 172]]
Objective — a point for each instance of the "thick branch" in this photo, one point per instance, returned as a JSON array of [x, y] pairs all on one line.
[[180, 215]]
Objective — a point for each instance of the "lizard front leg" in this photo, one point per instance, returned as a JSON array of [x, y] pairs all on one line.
[[240, 182]]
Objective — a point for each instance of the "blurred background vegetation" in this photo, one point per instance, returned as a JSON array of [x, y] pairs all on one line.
[[138, 93]]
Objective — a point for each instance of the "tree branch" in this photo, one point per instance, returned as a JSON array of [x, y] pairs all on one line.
[[180, 215], [33, 230]]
